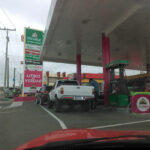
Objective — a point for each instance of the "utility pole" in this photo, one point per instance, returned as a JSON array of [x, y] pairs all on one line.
[[20, 81], [6, 57], [8, 72], [14, 79]]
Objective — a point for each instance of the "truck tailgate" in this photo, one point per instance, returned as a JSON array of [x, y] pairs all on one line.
[[78, 90]]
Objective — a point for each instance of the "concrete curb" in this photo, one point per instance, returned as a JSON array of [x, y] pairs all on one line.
[[6, 103], [20, 99]]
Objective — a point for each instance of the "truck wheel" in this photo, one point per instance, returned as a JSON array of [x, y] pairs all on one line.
[[57, 106], [41, 102], [86, 106], [50, 105], [71, 106], [36, 101]]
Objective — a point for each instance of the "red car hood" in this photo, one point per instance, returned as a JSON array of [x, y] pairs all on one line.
[[76, 134]]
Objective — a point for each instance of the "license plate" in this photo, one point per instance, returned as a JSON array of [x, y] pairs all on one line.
[[78, 98]]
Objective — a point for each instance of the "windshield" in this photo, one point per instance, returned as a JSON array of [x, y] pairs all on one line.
[[73, 70]]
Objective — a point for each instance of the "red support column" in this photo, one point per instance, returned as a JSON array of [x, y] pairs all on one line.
[[148, 67], [47, 75], [105, 60], [78, 59]]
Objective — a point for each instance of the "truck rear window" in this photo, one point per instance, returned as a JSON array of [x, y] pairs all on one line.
[[67, 83]]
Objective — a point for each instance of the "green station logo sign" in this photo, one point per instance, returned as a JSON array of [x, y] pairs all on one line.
[[34, 37], [32, 57]]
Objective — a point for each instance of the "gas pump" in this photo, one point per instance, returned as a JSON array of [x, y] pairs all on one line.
[[118, 93]]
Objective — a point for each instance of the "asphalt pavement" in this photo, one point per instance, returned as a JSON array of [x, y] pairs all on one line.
[[21, 124], [28, 121]]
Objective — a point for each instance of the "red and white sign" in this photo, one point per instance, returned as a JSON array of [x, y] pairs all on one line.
[[32, 80], [140, 103], [70, 77], [34, 52]]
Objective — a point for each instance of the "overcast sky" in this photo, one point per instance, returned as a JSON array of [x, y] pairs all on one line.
[[27, 13]]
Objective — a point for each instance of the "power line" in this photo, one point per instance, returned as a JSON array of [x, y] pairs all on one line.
[[8, 18], [2, 36], [11, 22], [16, 40], [15, 56], [2, 24]]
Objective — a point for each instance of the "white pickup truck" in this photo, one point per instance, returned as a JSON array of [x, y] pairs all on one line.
[[70, 92]]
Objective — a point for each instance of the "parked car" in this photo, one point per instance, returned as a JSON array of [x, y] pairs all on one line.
[[16, 91], [42, 96], [8, 93], [70, 92]]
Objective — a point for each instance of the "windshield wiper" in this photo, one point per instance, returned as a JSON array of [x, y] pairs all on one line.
[[100, 142]]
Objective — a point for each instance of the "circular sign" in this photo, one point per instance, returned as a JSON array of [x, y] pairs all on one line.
[[70, 76], [143, 104]]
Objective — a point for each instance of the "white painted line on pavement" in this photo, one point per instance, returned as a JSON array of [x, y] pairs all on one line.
[[14, 104], [120, 124], [62, 124]]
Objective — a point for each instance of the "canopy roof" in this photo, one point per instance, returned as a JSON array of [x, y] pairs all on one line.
[[126, 22]]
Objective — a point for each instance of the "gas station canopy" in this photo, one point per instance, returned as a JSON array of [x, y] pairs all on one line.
[[74, 23]]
